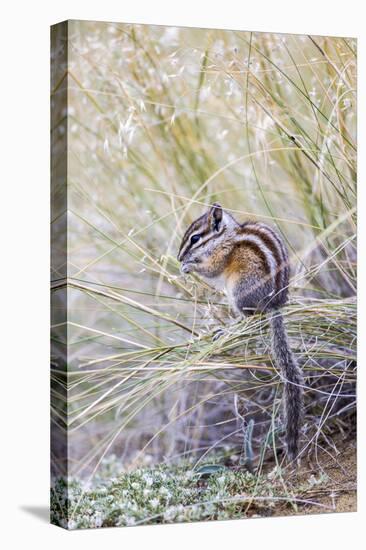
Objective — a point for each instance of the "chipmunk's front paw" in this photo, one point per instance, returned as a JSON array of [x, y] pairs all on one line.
[[218, 332]]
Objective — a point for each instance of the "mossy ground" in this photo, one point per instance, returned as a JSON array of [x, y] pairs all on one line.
[[170, 494]]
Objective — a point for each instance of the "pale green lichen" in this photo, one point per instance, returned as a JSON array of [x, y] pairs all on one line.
[[164, 494]]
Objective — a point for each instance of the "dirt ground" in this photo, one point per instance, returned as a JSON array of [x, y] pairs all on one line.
[[338, 493]]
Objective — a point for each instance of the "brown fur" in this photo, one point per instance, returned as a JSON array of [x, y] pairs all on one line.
[[243, 261]]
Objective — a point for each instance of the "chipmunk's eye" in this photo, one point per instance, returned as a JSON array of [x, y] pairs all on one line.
[[195, 238]]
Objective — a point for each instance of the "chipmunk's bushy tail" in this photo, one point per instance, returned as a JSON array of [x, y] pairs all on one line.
[[293, 381]]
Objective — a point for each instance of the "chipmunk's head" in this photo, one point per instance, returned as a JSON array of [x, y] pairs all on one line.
[[203, 238]]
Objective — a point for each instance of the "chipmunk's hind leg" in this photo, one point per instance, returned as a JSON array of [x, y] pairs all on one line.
[[253, 295]]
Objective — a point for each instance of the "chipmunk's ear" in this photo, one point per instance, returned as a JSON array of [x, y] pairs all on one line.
[[215, 215]]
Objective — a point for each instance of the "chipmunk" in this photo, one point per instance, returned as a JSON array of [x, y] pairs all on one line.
[[252, 261]]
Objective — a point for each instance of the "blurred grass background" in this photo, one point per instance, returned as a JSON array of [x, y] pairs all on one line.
[[163, 121]]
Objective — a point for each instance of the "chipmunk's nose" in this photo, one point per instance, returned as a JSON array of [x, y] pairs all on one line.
[[185, 268]]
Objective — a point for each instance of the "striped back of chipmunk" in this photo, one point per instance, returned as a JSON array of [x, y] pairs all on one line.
[[269, 245]]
